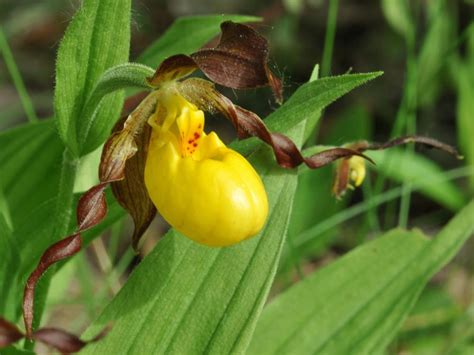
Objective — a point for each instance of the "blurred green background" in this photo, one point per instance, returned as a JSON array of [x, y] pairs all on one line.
[[426, 50]]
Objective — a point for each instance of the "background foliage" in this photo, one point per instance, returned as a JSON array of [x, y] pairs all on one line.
[[325, 276]]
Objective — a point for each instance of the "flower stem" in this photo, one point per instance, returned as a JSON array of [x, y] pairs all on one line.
[[329, 38]]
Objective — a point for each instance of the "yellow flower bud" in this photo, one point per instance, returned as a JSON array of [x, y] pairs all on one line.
[[357, 170], [206, 191]]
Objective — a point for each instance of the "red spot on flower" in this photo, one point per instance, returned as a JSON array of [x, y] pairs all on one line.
[[196, 135]]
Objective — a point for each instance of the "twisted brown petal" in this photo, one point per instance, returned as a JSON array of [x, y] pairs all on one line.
[[131, 191], [239, 61], [56, 252], [426, 141]]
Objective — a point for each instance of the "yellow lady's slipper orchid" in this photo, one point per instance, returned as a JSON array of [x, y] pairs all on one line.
[[206, 191]]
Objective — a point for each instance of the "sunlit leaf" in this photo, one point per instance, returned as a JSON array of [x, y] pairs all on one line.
[[358, 303]]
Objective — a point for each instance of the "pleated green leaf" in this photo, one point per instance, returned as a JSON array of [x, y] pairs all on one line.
[[97, 38], [8, 263], [30, 161], [356, 305]]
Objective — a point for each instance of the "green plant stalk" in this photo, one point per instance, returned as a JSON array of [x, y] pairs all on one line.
[[63, 215], [410, 128], [405, 121], [329, 38], [372, 222], [16, 77], [310, 126]]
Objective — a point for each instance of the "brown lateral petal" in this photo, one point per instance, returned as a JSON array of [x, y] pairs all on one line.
[[117, 150], [203, 94], [131, 192], [56, 252], [9, 333], [121, 146], [172, 68], [341, 178], [427, 141], [286, 152], [92, 207], [63, 341]]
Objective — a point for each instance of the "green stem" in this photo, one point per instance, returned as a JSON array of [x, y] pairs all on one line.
[[16, 77], [405, 121], [410, 128], [329, 38]]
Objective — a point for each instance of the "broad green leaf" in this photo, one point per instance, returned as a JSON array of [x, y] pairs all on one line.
[[30, 160], [187, 298], [410, 167], [187, 35], [357, 303], [97, 38], [9, 258]]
